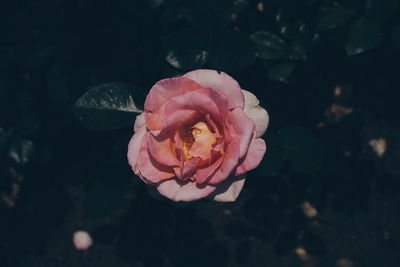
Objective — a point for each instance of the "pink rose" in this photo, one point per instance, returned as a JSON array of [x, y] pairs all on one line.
[[198, 136], [82, 240]]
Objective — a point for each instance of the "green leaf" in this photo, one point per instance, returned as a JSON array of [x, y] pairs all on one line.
[[281, 72], [103, 199], [187, 59], [186, 51], [109, 106], [233, 51], [381, 9], [332, 18], [363, 36], [269, 45]]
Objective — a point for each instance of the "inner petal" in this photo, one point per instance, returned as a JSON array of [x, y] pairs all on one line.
[[204, 139]]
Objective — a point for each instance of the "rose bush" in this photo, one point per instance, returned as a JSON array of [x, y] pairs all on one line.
[[198, 136]]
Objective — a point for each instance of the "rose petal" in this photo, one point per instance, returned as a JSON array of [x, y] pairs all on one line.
[[140, 122], [229, 190], [163, 90], [204, 100], [231, 157], [188, 169], [149, 169], [221, 82], [175, 120], [188, 191], [204, 140], [243, 127], [135, 142], [161, 151], [254, 156], [204, 174], [258, 114]]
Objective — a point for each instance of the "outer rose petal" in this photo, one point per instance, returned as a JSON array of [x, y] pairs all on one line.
[[204, 174], [204, 100], [149, 169], [187, 192], [254, 156], [135, 142], [140, 122], [256, 112], [229, 190], [163, 90], [244, 128], [231, 157], [162, 151], [220, 82]]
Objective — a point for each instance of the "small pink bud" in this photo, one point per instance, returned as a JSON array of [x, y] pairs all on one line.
[[82, 240]]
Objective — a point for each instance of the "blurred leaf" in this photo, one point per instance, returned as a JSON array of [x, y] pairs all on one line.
[[210, 14], [298, 146], [27, 125], [297, 52], [21, 151], [239, 5], [303, 149], [297, 31], [171, 15], [269, 45], [396, 38], [332, 18], [187, 59], [186, 51], [381, 9], [233, 51], [278, 17], [281, 72], [274, 158], [103, 199], [56, 85], [109, 106], [156, 3], [40, 58], [363, 36]]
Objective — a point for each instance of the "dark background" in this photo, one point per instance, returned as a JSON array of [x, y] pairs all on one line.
[[326, 71]]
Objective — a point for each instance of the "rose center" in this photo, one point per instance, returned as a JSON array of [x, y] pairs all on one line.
[[197, 141]]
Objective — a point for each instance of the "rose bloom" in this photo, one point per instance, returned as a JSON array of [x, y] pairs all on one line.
[[82, 240], [198, 136]]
